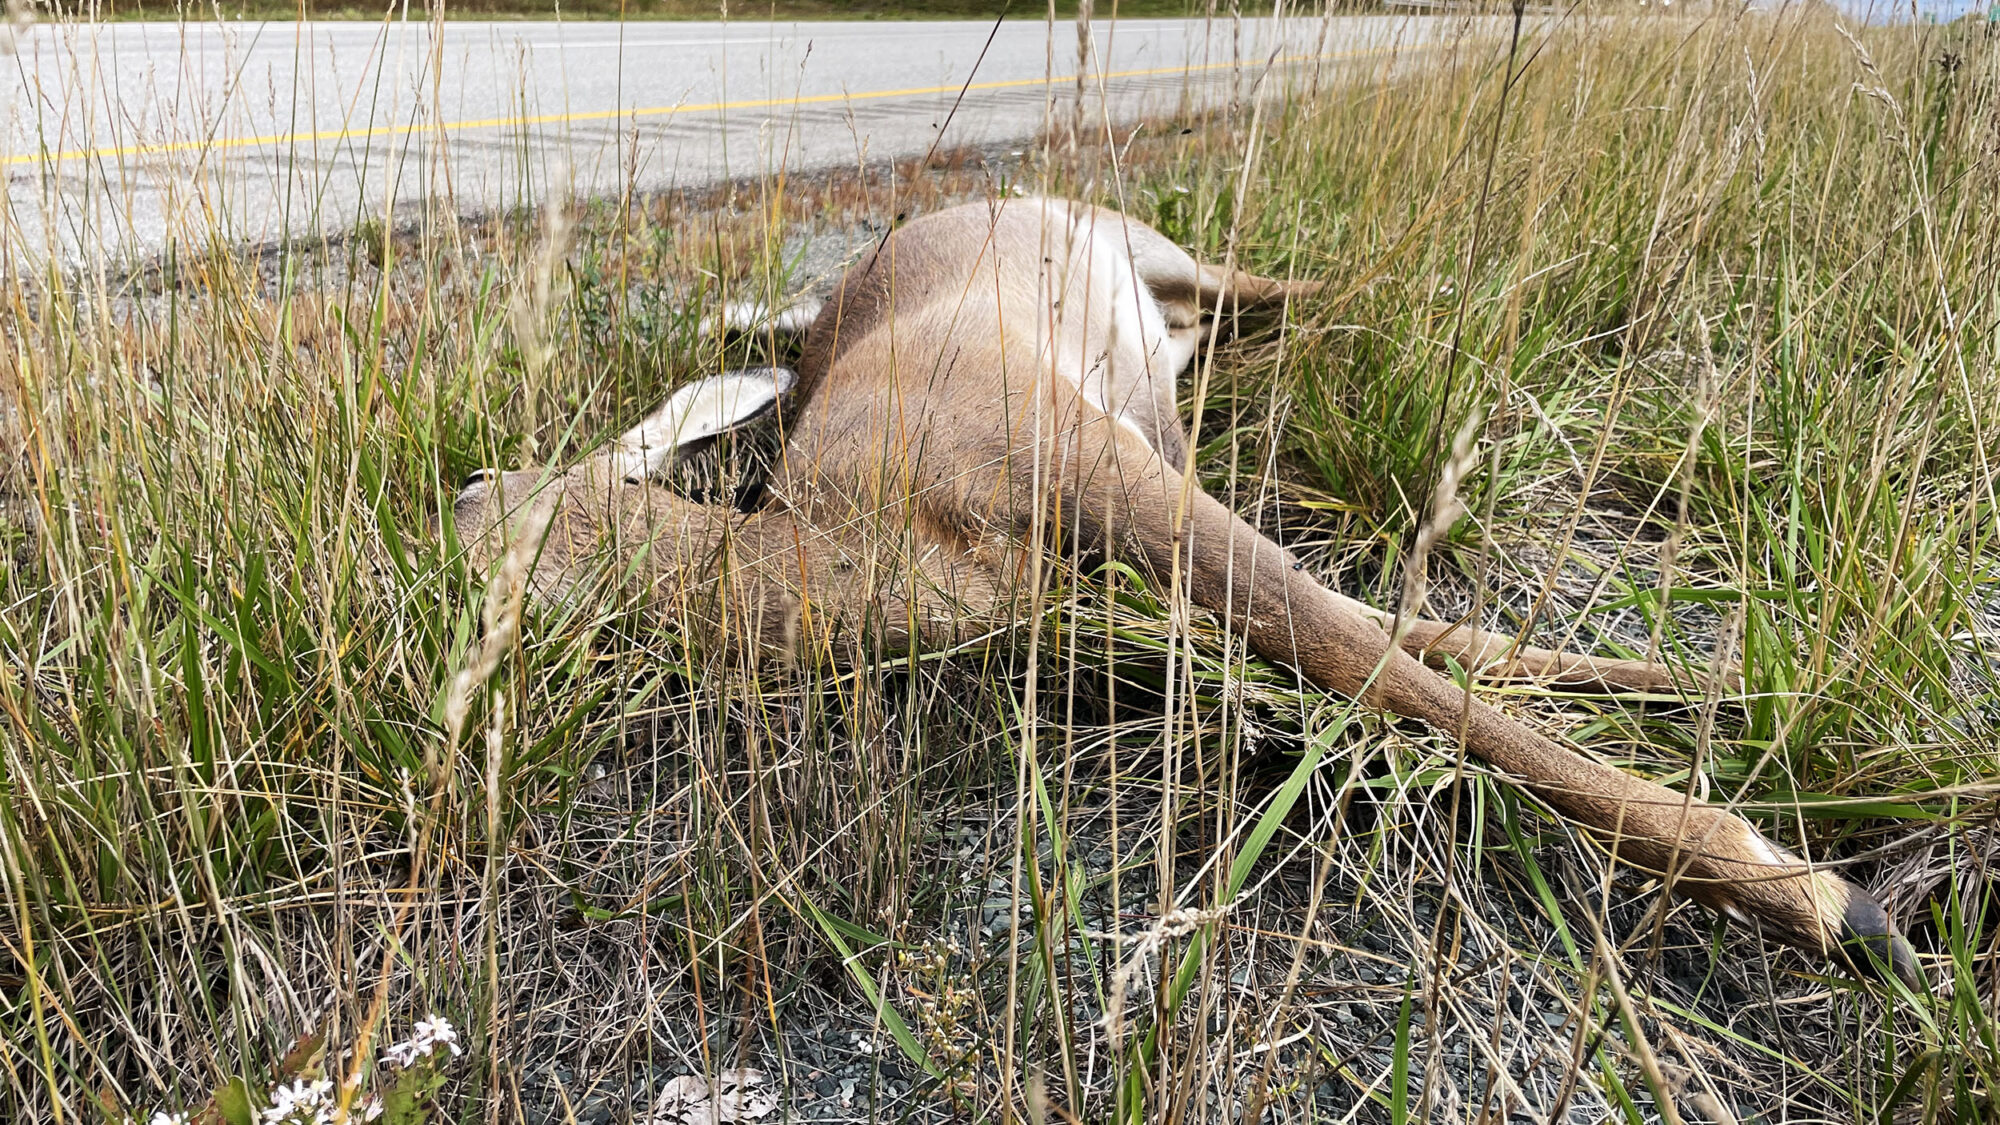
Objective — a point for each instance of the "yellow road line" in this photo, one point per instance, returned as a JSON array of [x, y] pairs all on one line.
[[219, 143]]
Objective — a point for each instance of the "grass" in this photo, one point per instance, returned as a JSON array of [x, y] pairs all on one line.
[[1721, 297], [664, 10]]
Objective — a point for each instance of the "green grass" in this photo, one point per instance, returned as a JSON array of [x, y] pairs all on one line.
[[1724, 295]]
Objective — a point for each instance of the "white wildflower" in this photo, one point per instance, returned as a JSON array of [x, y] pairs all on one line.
[[432, 1032], [301, 1101], [439, 1030], [162, 1117]]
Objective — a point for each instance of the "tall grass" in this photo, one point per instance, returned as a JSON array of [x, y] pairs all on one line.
[[1722, 291]]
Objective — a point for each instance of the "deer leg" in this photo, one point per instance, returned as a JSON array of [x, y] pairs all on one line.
[[1487, 655], [1223, 291], [1118, 491], [1179, 283], [1499, 656], [764, 586]]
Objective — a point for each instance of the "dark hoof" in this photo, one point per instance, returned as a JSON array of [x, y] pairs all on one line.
[[1870, 941]]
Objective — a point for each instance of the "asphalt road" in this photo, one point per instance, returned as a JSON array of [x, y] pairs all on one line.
[[116, 138]]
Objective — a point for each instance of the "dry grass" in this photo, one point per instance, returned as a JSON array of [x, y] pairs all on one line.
[[1723, 292], [740, 10]]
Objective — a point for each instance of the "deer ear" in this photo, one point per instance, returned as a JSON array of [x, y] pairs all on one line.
[[699, 412], [721, 403], [751, 318]]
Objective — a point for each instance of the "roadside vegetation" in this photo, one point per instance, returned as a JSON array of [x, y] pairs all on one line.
[[743, 10], [1710, 307]]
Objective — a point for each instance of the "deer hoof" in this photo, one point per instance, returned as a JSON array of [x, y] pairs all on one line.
[[1869, 939]]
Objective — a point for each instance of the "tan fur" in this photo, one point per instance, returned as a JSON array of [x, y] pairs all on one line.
[[999, 375]]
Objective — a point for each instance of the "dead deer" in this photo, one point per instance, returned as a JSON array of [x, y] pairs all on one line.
[[993, 387]]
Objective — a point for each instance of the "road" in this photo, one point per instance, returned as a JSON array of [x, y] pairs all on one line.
[[117, 138]]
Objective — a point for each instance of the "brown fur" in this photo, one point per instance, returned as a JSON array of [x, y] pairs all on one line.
[[941, 426]]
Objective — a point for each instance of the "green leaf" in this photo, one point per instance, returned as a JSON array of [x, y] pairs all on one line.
[[1281, 804], [233, 1103], [891, 1019], [1399, 1061], [1254, 844]]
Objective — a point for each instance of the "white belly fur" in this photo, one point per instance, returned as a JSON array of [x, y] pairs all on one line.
[[1102, 332]]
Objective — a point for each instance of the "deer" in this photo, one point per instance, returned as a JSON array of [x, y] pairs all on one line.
[[993, 387]]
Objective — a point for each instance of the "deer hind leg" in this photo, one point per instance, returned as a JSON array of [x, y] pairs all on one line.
[[1226, 291], [1185, 288], [1119, 492], [1500, 656]]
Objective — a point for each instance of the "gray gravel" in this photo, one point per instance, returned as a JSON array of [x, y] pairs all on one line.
[[1492, 1012]]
